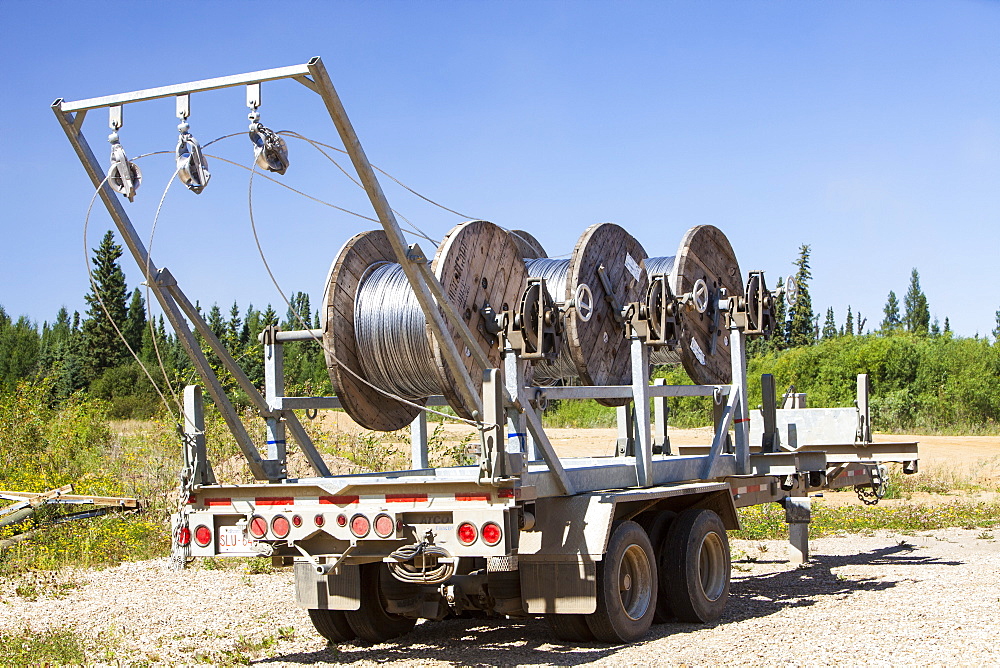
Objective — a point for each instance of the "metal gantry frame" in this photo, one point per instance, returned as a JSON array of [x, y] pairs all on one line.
[[176, 306]]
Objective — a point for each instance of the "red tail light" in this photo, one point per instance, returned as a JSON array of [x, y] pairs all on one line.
[[184, 537], [360, 526], [203, 536], [319, 520], [492, 533], [467, 533], [384, 526], [258, 527], [296, 520], [280, 526], [342, 520]]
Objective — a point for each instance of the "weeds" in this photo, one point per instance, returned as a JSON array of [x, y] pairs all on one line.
[[768, 521], [59, 646]]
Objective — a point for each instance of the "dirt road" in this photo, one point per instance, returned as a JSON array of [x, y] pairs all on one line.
[[882, 600]]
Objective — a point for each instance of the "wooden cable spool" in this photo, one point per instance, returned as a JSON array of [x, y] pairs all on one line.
[[705, 253], [478, 264], [598, 346]]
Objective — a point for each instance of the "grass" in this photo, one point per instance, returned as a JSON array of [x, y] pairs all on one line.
[[768, 521], [58, 646]]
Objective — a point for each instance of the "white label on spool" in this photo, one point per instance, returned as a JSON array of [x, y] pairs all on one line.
[[698, 352], [632, 266]]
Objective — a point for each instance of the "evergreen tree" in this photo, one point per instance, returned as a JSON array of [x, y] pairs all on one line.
[[935, 328], [268, 317], [830, 326], [233, 328], [778, 340], [890, 321], [103, 346], [917, 316], [299, 313], [947, 325], [849, 323], [861, 322], [20, 344], [800, 321], [135, 325], [996, 330], [216, 322]]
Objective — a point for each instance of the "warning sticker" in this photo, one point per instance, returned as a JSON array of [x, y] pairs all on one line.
[[632, 266], [698, 352]]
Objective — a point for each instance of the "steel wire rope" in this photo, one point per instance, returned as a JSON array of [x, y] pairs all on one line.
[[305, 326], [665, 266], [104, 308], [315, 145]]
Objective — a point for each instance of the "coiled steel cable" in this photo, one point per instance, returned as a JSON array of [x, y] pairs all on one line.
[[662, 265], [391, 332]]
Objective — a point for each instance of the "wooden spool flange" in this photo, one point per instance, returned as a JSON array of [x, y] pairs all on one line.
[[530, 247], [477, 263], [366, 406], [598, 347], [706, 253]]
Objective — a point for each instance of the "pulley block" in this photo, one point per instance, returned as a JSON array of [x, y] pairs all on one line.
[[124, 176], [192, 168], [270, 150]]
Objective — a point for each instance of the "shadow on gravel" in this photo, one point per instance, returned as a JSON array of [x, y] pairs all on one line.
[[513, 642]]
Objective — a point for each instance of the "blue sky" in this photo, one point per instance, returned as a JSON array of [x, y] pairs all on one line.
[[870, 130]]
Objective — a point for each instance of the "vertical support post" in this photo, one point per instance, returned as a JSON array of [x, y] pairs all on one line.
[[493, 453], [625, 419], [741, 417], [517, 437], [274, 387], [418, 442], [864, 434], [643, 428], [661, 414], [798, 515], [195, 451], [769, 412]]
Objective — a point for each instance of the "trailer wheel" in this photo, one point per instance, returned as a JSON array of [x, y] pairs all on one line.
[[626, 587], [332, 625], [695, 566], [572, 628], [371, 622], [658, 529]]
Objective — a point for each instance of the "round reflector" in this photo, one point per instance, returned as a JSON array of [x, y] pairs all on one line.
[[319, 520], [184, 537], [280, 526], [342, 520], [360, 526], [296, 520], [467, 533], [492, 533], [258, 527], [384, 526], [203, 536]]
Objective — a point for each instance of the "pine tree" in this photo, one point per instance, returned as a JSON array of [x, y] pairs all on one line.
[[20, 344], [917, 316], [890, 321], [860, 329], [800, 322], [849, 323], [947, 326], [106, 302], [216, 322], [996, 330], [830, 326], [935, 328], [135, 324]]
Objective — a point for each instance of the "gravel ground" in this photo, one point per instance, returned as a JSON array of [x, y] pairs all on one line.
[[887, 599]]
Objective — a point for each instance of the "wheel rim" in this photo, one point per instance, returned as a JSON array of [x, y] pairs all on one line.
[[711, 566], [635, 582]]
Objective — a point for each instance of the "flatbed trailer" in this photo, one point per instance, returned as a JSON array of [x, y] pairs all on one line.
[[601, 546]]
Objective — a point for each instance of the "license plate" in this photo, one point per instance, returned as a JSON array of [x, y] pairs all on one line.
[[232, 540]]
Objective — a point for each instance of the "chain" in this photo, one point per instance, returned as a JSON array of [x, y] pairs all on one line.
[[872, 493]]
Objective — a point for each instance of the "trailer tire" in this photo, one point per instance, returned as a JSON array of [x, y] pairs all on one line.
[[571, 628], [332, 625], [626, 587], [371, 621], [695, 566], [658, 529]]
